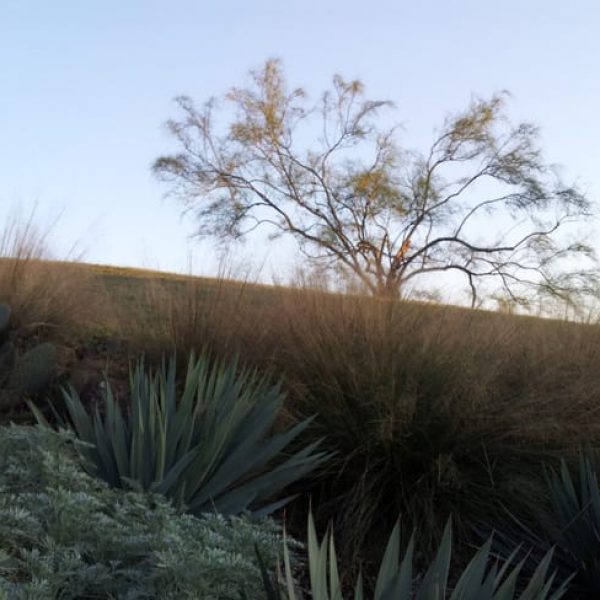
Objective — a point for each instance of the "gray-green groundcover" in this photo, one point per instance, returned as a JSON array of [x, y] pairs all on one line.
[[64, 534]]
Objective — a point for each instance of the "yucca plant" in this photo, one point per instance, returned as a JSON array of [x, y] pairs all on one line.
[[207, 449], [479, 580]]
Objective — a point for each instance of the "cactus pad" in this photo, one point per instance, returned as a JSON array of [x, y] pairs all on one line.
[[34, 370]]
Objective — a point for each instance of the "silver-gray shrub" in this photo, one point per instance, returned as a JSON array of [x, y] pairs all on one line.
[[65, 534]]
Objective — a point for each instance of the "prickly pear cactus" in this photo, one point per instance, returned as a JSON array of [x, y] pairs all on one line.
[[22, 374], [34, 370]]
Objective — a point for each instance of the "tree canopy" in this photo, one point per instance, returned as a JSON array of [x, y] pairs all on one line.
[[481, 201]]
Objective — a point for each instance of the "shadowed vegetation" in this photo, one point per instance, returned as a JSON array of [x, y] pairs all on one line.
[[431, 410]]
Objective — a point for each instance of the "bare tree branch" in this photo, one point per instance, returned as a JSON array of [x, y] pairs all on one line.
[[481, 202]]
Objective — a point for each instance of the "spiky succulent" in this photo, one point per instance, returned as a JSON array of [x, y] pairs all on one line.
[[396, 581], [207, 448]]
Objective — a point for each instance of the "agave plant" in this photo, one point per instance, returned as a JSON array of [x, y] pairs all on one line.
[[577, 511], [479, 580], [207, 449]]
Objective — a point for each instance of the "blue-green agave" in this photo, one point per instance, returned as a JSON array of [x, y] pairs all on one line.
[[208, 449], [482, 579], [576, 505]]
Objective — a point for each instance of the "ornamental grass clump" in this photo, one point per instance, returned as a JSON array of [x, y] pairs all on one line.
[[432, 411], [207, 449], [50, 294], [65, 534]]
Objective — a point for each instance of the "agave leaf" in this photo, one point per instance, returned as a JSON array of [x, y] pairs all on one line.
[[591, 481], [118, 432], [562, 589], [288, 569], [39, 416], [104, 449], [486, 589], [335, 587], [471, 581], [259, 486], [405, 575], [233, 502], [359, 588], [268, 509], [321, 575], [569, 495], [271, 589], [136, 457], [215, 446], [434, 583], [389, 563], [57, 417], [173, 429], [506, 591], [206, 462], [576, 517], [151, 412], [261, 416], [181, 427], [81, 420], [313, 554], [161, 450], [172, 476], [248, 457], [508, 562], [248, 453], [535, 587], [274, 481]]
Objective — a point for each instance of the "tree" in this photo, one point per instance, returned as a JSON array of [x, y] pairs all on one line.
[[480, 202]]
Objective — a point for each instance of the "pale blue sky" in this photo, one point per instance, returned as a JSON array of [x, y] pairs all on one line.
[[86, 85]]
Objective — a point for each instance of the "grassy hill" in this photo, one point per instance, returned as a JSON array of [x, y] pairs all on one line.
[[431, 410]]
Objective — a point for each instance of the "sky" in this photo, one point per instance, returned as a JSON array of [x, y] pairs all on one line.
[[86, 86]]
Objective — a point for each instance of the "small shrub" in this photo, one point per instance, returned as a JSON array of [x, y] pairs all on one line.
[[64, 534]]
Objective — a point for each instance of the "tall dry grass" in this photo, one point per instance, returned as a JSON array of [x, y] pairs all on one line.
[[436, 411], [45, 294], [184, 315]]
